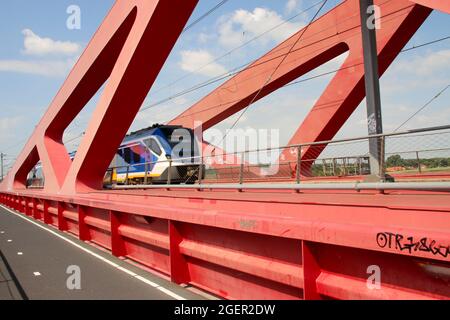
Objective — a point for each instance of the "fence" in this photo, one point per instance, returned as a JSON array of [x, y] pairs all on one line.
[[420, 152]]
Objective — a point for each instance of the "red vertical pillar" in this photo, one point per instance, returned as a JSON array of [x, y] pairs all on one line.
[[311, 271], [179, 271], [82, 226], [62, 224], [47, 219], [117, 243], [36, 213]]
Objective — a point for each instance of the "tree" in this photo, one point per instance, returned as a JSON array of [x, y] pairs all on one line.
[[394, 161]]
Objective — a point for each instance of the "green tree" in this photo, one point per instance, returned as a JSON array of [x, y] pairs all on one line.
[[395, 161]]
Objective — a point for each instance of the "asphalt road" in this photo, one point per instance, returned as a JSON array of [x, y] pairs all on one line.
[[35, 260]]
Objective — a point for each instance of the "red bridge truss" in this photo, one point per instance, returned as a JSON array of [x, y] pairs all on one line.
[[250, 244]]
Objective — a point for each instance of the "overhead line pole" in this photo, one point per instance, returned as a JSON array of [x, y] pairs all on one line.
[[1, 165], [369, 24]]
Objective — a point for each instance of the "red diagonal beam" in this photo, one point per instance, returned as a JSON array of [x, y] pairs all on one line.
[[128, 50], [442, 5]]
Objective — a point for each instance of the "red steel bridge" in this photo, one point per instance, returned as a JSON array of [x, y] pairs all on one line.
[[293, 239]]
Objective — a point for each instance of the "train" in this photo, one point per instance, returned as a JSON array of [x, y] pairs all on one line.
[[159, 154]]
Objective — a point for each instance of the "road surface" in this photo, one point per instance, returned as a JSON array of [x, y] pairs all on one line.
[[38, 262]]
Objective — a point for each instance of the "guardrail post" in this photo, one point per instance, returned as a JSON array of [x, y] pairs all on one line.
[[200, 171], [299, 165], [145, 173], [169, 173], [418, 162], [360, 165], [344, 164], [381, 159], [241, 170]]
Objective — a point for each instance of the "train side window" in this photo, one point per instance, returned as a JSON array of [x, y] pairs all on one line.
[[153, 145], [119, 160], [136, 157], [127, 155]]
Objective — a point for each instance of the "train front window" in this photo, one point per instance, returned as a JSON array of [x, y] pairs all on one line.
[[182, 140], [127, 155], [153, 146]]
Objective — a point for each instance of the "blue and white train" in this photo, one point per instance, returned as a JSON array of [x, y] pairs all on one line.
[[154, 155], [166, 152]]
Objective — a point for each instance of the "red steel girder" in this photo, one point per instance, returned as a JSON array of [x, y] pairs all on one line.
[[333, 34], [267, 245], [442, 5], [127, 52]]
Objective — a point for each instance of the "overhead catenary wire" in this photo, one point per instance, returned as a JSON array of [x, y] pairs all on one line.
[[229, 74], [289, 84], [275, 70], [258, 36], [234, 71], [237, 70], [197, 87], [423, 107], [75, 138], [205, 15], [250, 64], [412, 48]]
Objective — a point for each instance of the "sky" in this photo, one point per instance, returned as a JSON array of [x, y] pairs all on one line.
[[38, 51]]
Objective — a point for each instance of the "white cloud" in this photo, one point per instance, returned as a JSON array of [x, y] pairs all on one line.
[[35, 45], [204, 38], [291, 5], [57, 68], [200, 62], [408, 74], [425, 65], [8, 129], [243, 25]]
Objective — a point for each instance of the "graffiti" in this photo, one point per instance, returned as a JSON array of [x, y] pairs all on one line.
[[410, 244]]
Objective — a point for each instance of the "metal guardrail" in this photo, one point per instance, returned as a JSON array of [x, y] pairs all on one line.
[[308, 164], [341, 158]]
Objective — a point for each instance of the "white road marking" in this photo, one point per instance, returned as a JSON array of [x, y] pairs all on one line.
[[9, 240], [37, 274], [114, 265], [20, 253], [2, 232]]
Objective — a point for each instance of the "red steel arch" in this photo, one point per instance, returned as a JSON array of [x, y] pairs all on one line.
[[127, 52], [334, 33]]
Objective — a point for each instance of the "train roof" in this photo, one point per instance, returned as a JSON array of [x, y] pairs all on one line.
[[149, 131]]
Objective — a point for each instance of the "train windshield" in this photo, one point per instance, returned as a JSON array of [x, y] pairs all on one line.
[[182, 142]]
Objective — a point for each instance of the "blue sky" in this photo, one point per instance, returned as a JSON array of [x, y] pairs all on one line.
[[31, 74]]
